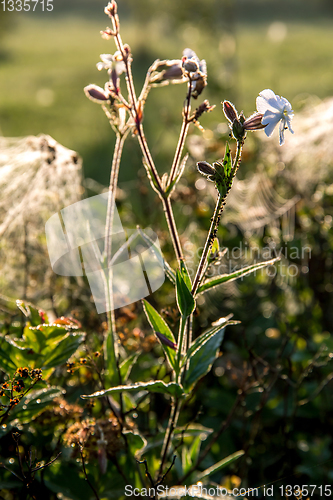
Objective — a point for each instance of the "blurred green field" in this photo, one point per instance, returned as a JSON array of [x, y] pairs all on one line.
[[45, 61]]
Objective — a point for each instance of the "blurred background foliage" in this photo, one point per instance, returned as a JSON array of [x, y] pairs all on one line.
[[278, 359]]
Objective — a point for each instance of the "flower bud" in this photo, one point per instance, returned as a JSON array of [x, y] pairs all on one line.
[[107, 34], [205, 168], [96, 94], [238, 130], [190, 65], [229, 111], [164, 340], [111, 9], [254, 122]]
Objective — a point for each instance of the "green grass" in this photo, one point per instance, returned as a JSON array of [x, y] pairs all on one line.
[[60, 54]]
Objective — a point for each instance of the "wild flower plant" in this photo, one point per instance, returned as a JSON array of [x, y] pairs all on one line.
[[188, 359], [116, 438]]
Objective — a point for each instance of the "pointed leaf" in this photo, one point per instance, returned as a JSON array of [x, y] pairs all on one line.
[[204, 337], [63, 351], [157, 386], [203, 358], [224, 278], [179, 173], [13, 356], [126, 366], [151, 177], [227, 164], [159, 325], [195, 448], [186, 276], [219, 465], [136, 443], [185, 300]]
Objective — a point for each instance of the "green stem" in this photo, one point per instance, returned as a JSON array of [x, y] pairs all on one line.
[[220, 202], [181, 346], [174, 414], [208, 244], [168, 212], [183, 134]]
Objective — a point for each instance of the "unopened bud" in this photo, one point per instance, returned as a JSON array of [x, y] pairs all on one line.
[[107, 34], [164, 340], [229, 111], [190, 65], [205, 168], [111, 9], [238, 130], [254, 122], [96, 94], [174, 72]]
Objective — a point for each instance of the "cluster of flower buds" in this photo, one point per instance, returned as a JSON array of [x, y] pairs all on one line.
[[196, 71], [239, 125]]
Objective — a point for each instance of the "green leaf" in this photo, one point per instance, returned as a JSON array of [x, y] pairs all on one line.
[[136, 443], [223, 278], [151, 177], [204, 337], [63, 351], [30, 406], [203, 358], [159, 325], [13, 356], [35, 402], [186, 459], [195, 448], [185, 300], [157, 386], [126, 366], [214, 251], [185, 275], [219, 465], [227, 163], [223, 173], [178, 175], [32, 313]]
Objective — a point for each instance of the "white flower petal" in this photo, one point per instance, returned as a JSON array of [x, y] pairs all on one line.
[[271, 116], [281, 133], [288, 123], [270, 127], [267, 100], [106, 58]]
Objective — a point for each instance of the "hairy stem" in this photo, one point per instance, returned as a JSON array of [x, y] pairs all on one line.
[[220, 202], [182, 329], [168, 212], [175, 409], [183, 134]]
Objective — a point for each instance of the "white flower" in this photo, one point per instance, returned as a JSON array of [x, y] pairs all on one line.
[[275, 109], [112, 63]]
